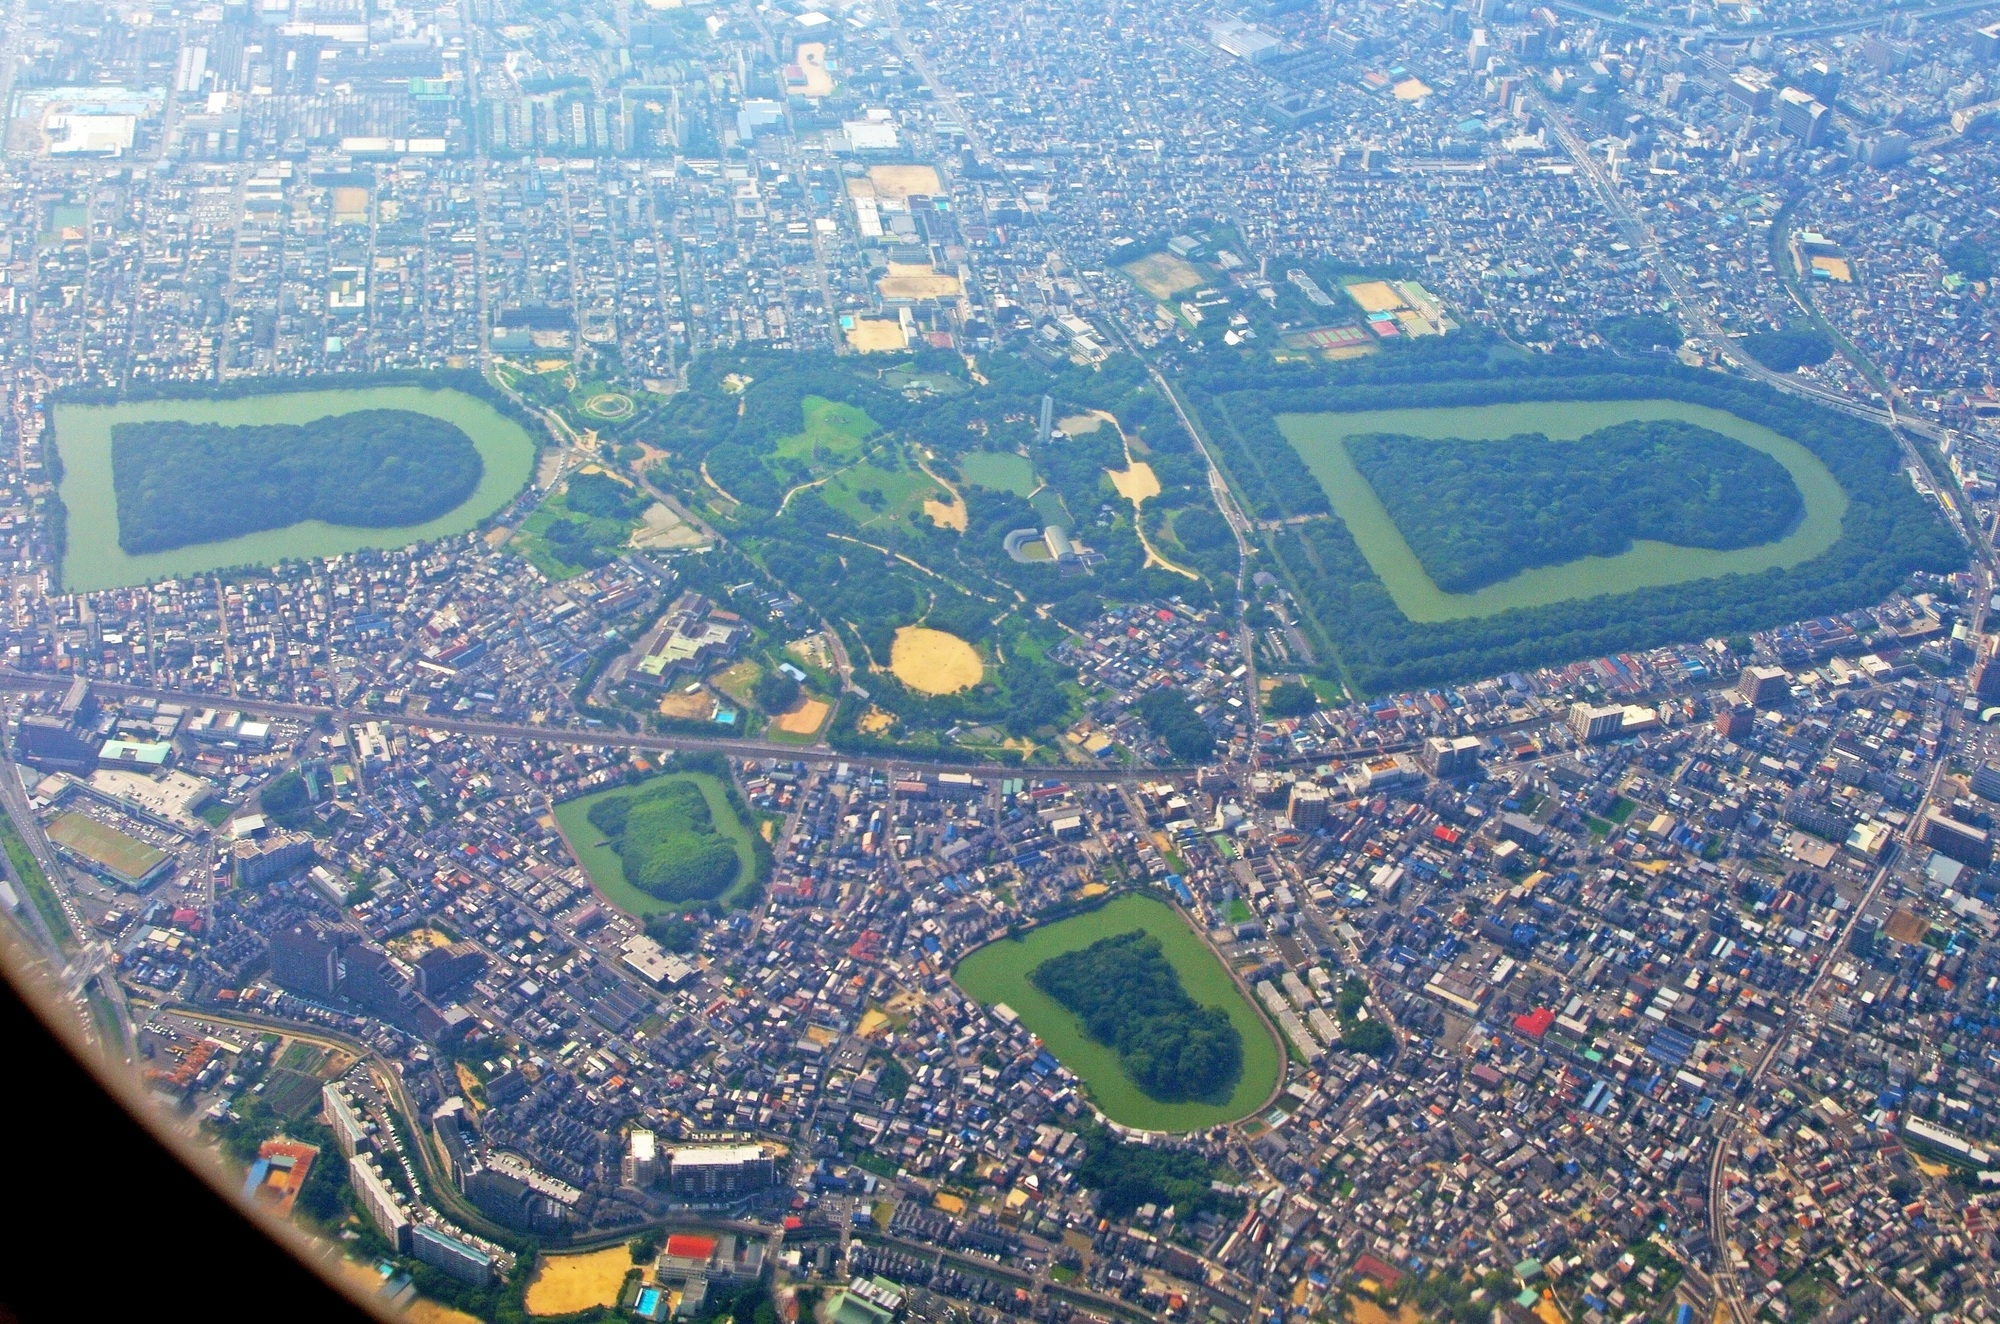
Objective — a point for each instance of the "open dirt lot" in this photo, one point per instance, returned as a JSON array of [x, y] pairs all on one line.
[[661, 527], [915, 280], [874, 335], [696, 707], [805, 719], [811, 57], [1136, 482], [1081, 425], [566, 1284], [933, 662], [1375, 296], [905, 181], [1162, 275], [946, 516]]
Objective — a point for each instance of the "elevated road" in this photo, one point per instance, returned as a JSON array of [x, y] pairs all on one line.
[[604, 738]]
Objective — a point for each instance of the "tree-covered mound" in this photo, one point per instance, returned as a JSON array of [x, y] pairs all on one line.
[[179, 484], [1128, 996], [1476, 513], [1173, 720], [667, 842]]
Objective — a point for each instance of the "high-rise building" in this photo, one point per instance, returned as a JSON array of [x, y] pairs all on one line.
[[1048, 422], [1451, 756], [463, 1261], [56, 744], [304, 959], [260, 862], [442, 971], [704, 1172], [1986, 782], [1879, 151], [380, 1201], [1986, 43], [1986, 680], [1735, 721], [351, 1131], [1593, 724], [641, 1165], [1803, 116], [1960, 841], [1761, 687], [1307, 807]]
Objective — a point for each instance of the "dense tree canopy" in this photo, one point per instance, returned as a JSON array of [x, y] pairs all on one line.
[[1171, 718], [1641, 333], [1129, 996], [1290, 699], [1126, 1176], [1478, 512], [179, 484], [667, 842], [1789, 350]]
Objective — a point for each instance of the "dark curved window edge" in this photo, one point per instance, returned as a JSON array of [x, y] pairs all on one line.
[[94, 1177]]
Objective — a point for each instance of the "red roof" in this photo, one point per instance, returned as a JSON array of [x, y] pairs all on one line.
[[1536, 1023], [685, 1247]]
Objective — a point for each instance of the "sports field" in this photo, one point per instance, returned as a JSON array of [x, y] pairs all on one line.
[[104, 845], [811, 59], [569, 1284], [917, 280], [1375, 296], [874, 335], [804, 720], [905, 181], [1162, 275], [934, 662]]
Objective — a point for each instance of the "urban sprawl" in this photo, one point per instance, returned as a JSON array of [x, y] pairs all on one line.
[[1657, 985]]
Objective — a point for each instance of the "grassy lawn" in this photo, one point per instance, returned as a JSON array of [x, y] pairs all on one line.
[[593, 537], [1003, 471], [40, 892], [1621, 810], [832, 436], [1048, 503], [739, 682], [1240, 912], [606, 871], [876, 498]]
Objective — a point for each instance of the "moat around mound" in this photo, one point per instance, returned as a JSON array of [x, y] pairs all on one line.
[[1323, 441], [372, 469], [1478, 514], [1003, 972], [670, 843], [95, 560]]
